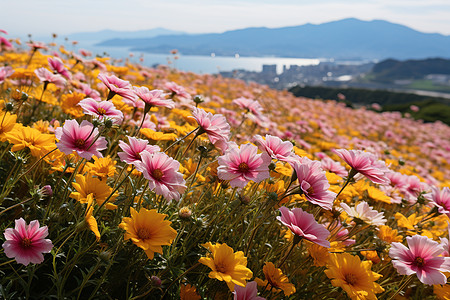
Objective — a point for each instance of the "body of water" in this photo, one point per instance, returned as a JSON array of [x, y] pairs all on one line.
[[198, 63]]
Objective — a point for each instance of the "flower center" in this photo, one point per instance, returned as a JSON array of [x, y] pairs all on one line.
[[26, 243], [101, 111], [419, 261], [157, 174], [79, 143], [221, 268], [310, 191], [272, 282], [351, 279], [243, 167], [143, 234]]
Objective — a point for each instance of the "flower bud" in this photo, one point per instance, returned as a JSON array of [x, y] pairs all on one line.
[[184, 213], [156, 281], [109, 123], [46, 191], [198, 99]]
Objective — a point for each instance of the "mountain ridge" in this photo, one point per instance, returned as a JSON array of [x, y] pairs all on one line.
[[349, 38]]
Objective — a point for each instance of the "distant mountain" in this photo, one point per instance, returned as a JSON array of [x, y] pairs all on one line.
[[391, 69], [343, 39], [112, 34]]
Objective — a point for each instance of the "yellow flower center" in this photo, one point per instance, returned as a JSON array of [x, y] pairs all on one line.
[[143, 234], [351, 279], [26, 243], [243, 167], [101, 111], [157, 174], [420, 262], [79, 143], [310, 191]]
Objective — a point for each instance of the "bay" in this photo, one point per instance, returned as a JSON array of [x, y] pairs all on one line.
[[198, 63]]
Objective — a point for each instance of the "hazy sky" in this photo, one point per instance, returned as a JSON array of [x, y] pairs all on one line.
[[43, 17]]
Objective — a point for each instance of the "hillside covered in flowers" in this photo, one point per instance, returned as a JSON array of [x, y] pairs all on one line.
[[119, 181]]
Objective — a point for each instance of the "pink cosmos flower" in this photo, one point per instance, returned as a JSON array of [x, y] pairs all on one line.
[[5, 44], [176, 89], [313, 182], [304, 225], [162, 173], [240, 165], [421, 258], [85, 53], [249, 292], [3, 31], [37, 45], [365, 213], [215, 126], [413, 188], [276, 147], [58, 66], [333, 166], [414, 108], [252, 106], [133, 151], [440, 199], [74, 137], [5, 72], [117, 86], [88, 91], [365, 163], [26, 243], [397, 179], [153, 98], [101, 110], [47, 77]]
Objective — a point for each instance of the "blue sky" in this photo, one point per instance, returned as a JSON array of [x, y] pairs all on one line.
[[43, 17]]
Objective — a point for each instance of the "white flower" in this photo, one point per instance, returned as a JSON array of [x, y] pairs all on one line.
[[365, 213]]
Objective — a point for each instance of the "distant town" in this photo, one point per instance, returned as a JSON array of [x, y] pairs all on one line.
[[387, 75], [325, 73]]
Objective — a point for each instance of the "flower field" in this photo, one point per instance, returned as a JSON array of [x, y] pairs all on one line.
[[119, 181]]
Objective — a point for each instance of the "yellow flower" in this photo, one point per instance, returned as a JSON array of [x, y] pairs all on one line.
[[102, 167], [86, 185], [319, 254], [442, 291], [26, 137], [283, 169], [122, 106], [91, 222], [353, 276], [389, 235], [276, 279], [189, 168], [69, 104], [7, 122], [158, 136], [189, 292], [148, 230], [378, 195], [371, 255], [227, 265], [47, 96], [333, 178], [409, 222], [42, 126]]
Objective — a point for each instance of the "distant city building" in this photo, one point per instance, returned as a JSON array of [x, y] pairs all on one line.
[[269, 69]]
